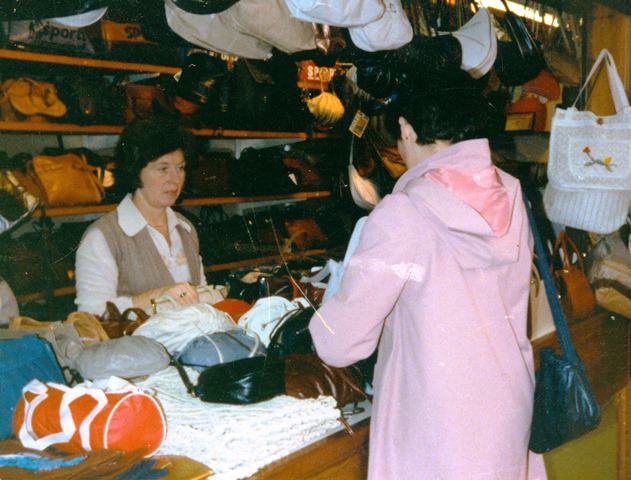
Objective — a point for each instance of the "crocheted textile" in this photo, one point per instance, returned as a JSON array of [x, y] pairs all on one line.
[[237, 440]]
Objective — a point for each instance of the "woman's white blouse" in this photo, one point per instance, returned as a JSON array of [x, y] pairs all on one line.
[[96, 270]]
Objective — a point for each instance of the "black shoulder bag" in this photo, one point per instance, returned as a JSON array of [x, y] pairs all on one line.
[[565, 407]]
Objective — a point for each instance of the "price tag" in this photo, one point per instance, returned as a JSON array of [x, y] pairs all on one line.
[[359, 124], [312, 76]]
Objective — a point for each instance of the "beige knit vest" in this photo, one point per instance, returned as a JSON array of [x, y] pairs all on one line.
[[140, 266]]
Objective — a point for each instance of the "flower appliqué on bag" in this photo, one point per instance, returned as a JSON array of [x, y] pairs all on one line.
[[606, 162]]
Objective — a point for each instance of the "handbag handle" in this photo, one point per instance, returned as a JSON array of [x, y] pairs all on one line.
[[616, 88], [563, 333], [562, 243]]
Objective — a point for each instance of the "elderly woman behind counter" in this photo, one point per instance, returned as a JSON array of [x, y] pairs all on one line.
[[143, 249]]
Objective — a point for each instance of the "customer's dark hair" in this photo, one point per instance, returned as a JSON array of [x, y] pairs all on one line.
[[449, 106], [142, 142]]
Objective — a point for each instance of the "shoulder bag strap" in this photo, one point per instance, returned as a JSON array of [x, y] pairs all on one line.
[[563, 333], [616, 87]]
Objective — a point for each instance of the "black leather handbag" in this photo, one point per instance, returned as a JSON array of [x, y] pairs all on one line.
[[565, 407], [520, 59], [292, 335], [245, 381]]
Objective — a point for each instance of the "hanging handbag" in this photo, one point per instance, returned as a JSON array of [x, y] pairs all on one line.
[[564, 406], [55, 174], [390, 31], [560, 53], [271, 22], [333, 12], [214, 32], [520, 58], [589, 163], [577, 296], [364, 192]]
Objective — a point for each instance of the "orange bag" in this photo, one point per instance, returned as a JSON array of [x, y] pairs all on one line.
[[89, 416]]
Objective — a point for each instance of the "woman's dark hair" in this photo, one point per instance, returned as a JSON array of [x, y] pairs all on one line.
[[142, 142], [450, 106]]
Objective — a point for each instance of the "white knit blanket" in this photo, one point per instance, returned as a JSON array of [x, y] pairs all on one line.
[[236, 440]]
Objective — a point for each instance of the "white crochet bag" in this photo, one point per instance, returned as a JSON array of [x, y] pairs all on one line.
[[589, 167]]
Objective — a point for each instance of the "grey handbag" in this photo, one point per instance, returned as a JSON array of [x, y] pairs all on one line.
[[221, 347], [125, 357]]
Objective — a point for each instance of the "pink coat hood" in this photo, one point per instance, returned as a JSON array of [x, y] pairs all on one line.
[[457, 180]]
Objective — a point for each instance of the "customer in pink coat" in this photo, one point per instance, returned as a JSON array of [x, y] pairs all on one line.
[[439, 283]]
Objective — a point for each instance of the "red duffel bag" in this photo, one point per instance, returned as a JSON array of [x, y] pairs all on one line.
[[103, 414]]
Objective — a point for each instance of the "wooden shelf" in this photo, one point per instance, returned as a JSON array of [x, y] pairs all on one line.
[[188, 202], [37, 57], [71, 128], [258, 260], [57, 292], [63, 291]]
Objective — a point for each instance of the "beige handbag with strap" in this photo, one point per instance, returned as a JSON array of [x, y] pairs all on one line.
[[540, 321]]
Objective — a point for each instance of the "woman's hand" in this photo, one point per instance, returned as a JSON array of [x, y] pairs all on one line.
[[183, 293]]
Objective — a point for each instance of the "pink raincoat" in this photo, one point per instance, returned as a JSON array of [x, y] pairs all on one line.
[[440, 281]]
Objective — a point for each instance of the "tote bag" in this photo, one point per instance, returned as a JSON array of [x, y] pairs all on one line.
[[589, 167]]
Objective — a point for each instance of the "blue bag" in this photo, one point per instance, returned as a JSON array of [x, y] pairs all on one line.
[[221, 347], [22, 360]]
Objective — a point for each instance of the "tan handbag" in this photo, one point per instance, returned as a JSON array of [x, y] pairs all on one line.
[[540, 321], [66, 180], [577, 296], [31, 97]]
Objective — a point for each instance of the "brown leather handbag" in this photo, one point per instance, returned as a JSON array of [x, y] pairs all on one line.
[[118, 324], [66, 180], [577, 296], [305, 233], [306, 376]]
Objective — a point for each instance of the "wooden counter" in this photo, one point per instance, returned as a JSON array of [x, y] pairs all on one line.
[[601, 340], [340, 456]]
